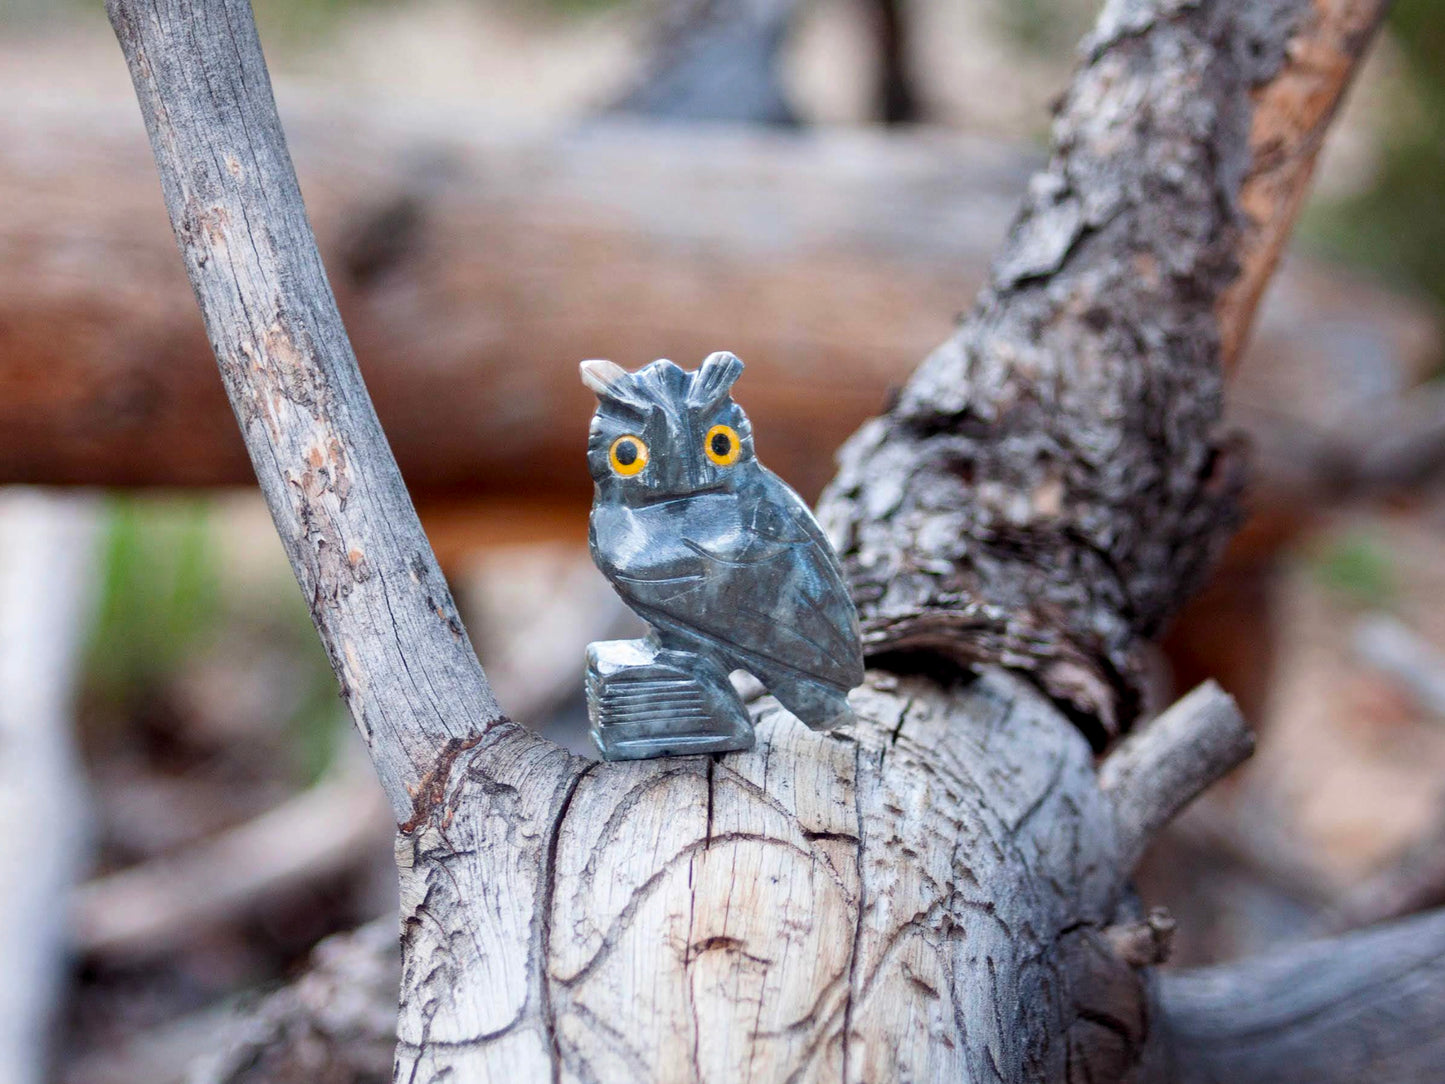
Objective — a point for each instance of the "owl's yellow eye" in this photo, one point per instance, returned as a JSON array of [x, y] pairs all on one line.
[[628, 455], [722, 445]]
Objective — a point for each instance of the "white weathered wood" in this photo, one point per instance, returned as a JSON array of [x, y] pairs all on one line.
[[886, 904], [47, 563]]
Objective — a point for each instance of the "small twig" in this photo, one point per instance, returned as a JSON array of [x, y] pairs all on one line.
[[1413, 882], [1159, 770], [1143, 943], [153, 907], [1388, 645]]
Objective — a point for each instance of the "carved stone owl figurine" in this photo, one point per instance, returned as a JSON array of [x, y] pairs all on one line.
[[723, 561]]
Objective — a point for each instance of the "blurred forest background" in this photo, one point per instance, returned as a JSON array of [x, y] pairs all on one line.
[[229, 822]]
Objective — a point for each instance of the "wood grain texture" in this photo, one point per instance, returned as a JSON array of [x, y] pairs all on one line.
[[1055, 479], [379, 601], [909, 901]]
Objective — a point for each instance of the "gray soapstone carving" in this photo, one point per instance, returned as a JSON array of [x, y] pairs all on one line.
[[724, 562]]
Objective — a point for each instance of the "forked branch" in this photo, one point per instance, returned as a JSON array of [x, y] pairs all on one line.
[[935, 894]]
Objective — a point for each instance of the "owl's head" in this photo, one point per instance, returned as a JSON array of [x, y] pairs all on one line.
[[664, 432]]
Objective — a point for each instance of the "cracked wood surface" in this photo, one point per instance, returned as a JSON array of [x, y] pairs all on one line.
[[896, 903], [1054, 480], [379, 601]]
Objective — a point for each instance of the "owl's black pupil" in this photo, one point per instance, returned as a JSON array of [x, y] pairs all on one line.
[[721, 444], [627, 453]]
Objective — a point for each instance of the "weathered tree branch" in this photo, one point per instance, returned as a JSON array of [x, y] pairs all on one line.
[[383, 610], [1157, 771], [1365, 1006], [1054, 480]]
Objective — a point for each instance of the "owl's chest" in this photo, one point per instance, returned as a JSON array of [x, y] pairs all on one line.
[[691, 537]]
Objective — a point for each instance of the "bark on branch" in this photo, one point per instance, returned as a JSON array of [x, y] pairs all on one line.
[[1157, 771], [1054, 480], [380, 604]]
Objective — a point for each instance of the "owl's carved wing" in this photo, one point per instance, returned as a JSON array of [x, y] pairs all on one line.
[[761, 586]]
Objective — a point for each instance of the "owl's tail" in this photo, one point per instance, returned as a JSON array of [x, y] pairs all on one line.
[[818, 704]]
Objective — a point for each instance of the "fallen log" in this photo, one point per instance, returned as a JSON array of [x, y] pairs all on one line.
[[474, 270]]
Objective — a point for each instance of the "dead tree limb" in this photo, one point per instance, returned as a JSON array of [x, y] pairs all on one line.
[[1055, 479], [1365, 1006], [835, 261], [380, 604], [1158, 770], [929, 896]]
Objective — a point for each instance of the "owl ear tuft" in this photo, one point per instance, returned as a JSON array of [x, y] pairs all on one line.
[[714, 379], [603, 377]]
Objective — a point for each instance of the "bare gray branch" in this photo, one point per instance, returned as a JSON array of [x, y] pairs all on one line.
[[1157, 771], [384, 612]]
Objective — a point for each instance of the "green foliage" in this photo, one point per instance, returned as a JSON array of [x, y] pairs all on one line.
[[1049, 28], [1357, 568], [159, 594], [165, 605]]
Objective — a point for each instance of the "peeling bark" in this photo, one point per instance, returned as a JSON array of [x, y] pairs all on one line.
[[1054, 480]]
